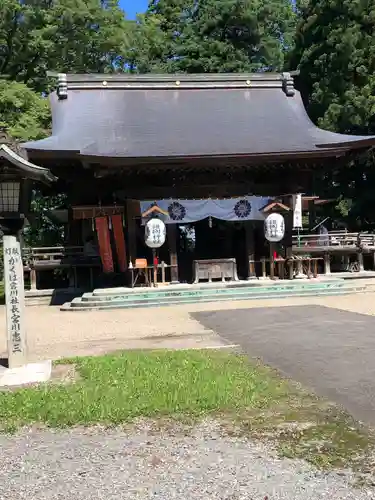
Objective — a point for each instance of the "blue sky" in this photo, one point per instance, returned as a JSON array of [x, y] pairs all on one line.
[[133, 7]]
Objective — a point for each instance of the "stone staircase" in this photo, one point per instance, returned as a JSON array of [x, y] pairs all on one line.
[[122, 298]]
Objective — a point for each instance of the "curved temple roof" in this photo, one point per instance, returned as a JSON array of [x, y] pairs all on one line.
[[25, 168], [159, 116]]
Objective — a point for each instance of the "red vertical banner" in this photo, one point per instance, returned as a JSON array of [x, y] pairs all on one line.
[[118, 233], [104, 240]]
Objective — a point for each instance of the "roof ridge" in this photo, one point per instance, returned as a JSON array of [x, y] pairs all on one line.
[[66, 81]]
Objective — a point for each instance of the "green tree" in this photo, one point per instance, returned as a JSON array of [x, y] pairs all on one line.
[[60, 35], [335, 53], [206, 36], [45, 230], [55, 35], [24, 114]]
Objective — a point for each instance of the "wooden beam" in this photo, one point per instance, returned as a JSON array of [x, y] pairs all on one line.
[[198, 190]]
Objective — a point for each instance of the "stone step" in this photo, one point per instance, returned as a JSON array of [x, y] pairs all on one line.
[[198, 295], [188, 288], [157, 294], [121, 304]]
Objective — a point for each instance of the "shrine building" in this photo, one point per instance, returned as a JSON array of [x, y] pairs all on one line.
[[209, 154]]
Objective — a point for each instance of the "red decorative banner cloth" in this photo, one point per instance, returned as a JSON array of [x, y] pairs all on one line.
[[118, 233], [104, 240]]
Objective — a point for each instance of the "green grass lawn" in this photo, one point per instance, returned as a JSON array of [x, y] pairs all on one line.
[[118, 388], [188, 385]]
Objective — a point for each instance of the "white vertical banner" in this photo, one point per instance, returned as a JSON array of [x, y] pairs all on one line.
[[297, 211], [15, 302]]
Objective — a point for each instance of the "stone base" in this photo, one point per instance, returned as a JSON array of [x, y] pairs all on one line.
[[27, 374]]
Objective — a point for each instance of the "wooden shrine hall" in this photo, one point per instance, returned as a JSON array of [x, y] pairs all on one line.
[[123, 142]]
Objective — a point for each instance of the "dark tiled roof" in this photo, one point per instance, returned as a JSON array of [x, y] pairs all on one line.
[[183, 116]]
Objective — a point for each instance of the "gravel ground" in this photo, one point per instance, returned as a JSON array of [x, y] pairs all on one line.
[[53, 334], [142, 463]]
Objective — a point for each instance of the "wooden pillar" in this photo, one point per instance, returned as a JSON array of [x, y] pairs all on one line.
[[360, 262], [172, 243], [272, 262], [74, 231], [250, 255], [312, 214], [288, 238], [264, 272], [132, 231], [33, 279], [291, 268], [327, 264], [347, 263]]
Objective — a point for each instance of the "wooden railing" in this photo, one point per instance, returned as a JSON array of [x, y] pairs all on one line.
[[334, 240], [70, 258], [50, 255], [287, 268]]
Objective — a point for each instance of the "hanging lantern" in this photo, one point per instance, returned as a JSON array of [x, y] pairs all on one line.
[[155, 233], [274, 227]]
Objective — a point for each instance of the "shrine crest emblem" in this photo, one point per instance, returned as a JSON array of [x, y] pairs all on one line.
[[176, 211], [242, 209]]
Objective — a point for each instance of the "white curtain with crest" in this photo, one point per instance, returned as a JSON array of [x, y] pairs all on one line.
[[229, 209]]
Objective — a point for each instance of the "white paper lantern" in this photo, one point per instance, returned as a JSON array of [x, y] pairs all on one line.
[[155, 233], [274, 227]]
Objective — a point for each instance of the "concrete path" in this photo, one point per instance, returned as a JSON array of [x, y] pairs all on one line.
[[53, 334], [329, 350]]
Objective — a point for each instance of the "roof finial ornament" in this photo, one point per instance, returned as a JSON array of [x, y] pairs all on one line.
[[62, 86], [288, 84]]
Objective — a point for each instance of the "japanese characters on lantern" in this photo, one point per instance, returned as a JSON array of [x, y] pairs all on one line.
[[274, 227], [155, 233]]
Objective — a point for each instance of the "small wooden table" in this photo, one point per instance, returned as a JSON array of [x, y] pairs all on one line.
[[215, 269], [150, 274]]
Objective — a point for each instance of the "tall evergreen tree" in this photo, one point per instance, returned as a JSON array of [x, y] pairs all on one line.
[[335, 52], [56, 35], [206, 36], [59, 35]]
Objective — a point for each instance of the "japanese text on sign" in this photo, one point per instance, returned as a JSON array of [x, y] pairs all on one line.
[[13, 261]]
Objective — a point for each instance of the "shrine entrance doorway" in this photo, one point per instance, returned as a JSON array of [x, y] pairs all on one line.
[[211, 239]]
